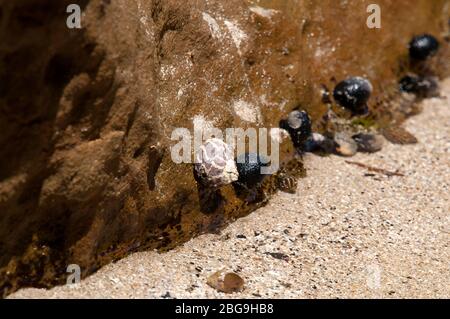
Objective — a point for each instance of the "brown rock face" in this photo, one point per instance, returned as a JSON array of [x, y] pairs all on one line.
[[87, 114]]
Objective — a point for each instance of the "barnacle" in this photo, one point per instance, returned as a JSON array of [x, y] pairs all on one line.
[[214, 165]]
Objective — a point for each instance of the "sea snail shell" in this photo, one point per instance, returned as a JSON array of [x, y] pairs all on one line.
[[215, 166]]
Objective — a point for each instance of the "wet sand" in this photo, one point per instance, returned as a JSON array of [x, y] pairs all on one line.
[[346, 233]]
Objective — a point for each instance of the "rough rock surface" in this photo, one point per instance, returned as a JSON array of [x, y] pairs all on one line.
[[87, 115]]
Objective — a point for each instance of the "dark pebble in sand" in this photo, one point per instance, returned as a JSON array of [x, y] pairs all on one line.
[[319, 143], [346, 146], [280, 256]]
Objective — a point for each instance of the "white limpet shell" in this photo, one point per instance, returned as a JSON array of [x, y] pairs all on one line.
[[215, 164]]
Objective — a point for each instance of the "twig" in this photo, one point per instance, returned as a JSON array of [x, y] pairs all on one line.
[[375, 169]]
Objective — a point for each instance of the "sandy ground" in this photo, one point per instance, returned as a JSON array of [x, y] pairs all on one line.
[[347, 233]]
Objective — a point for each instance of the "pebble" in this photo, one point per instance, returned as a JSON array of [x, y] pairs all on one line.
[[346, 146], [227, 282], [368, 143], [319, 143]]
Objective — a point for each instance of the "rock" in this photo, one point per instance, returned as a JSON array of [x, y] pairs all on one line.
[[368, 143], [279, 135], [83, 171], [346, 146], [280, 256], [227, 282]]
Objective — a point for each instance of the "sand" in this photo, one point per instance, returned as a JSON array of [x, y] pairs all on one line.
[[346, 233]]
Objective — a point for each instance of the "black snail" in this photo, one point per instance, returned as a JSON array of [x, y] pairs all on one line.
[[423, 46], [298, 125], [353, 94], [249, 167], [421, 86]]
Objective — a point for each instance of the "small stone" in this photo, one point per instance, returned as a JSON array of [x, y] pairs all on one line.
[[215, 165], [368, 143], [313, 142], [353, 94], [423, 46], [346, 146], [166, 295], [280, 256], [227, 282], [319, 143]]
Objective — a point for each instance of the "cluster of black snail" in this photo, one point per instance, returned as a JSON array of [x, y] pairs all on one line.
[[420, 49], [352, 94]]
